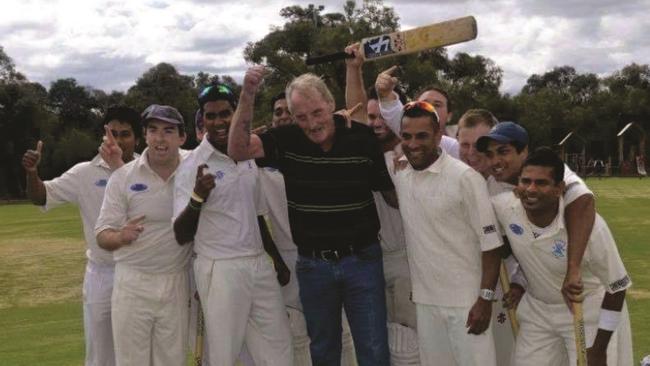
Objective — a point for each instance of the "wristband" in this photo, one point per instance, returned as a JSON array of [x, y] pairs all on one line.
[[197, 198], [194, 205], [609, 320]]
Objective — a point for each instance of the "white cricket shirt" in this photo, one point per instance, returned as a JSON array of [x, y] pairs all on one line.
[[83, 185], [228, 226], [392, 113], [448, 223], [275, 195], [135, 190], [391, 233], [542, 252]]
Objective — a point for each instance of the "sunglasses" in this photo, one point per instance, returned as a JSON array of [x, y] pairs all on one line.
[[222, 89], [422, 105], [221, 114]]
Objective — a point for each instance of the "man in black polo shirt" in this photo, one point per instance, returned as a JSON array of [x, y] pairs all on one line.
[[330, 172]]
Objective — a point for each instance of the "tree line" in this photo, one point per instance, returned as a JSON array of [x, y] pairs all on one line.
[[67, 116]]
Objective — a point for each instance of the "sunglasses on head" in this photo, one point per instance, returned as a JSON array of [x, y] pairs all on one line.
[[425, 106], [221, 114], [223, 89]]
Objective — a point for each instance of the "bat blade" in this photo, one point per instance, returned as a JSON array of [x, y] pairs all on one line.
[[414, 40], [579, 329]]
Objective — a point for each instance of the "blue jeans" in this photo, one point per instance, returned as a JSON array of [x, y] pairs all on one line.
[[355, 282]]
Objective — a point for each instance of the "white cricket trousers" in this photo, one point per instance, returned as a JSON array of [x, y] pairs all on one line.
[[546, 335], [98, 330], [150, 317], [241, 302], [443, 338]]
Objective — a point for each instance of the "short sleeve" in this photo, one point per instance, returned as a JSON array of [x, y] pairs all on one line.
[[480, 211], [183, 185], [603, 259], [391, 111], [574, 186], [113, 213], [64, 189]]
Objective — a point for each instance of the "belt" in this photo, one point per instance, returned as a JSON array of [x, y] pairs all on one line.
[[331, 255]]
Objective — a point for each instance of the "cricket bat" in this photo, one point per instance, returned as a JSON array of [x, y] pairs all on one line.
[[579, 329], [504, 279], [410, 41], [200, 328]]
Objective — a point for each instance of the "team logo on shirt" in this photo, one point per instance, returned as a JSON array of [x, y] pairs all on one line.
[[516, 229], [250, 166], [489, 229], [559, 249], [101, 182], [620, 284], [501, 318], [138, 187], [219, 175]]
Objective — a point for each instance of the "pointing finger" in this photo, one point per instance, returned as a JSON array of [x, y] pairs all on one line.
[[354, 109], [136, 221], [110, 139], [199, 171], [39, 146], [390, 70]]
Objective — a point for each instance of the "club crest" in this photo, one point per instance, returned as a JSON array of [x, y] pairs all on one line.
[[559, 249], [518, 230], [219, 175], [101, 182], [138, 187]]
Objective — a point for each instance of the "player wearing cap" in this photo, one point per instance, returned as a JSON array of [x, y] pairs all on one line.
[[216, 204], [402, 325], [150, 294], [452, 244], [84, 185], [391, 107], [534, 224], [506, 147]]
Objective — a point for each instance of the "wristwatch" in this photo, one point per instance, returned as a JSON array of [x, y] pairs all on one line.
[[487, 294]]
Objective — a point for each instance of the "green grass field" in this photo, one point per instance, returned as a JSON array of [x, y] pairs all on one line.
[[42, 264]]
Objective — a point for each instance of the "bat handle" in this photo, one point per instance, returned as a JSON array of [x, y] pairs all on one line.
[[579, 328], [328, 58], [505, 286]]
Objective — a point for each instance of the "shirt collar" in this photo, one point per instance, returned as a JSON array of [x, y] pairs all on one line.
[[556, 226], [205, 150], [99, 162]]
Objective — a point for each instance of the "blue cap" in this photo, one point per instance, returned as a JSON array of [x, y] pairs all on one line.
[[504, 132]]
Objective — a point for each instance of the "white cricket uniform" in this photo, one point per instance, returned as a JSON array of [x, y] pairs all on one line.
[[503, 336], [84, 185], [546, 335], [402, 336], [274, 193], [392, 113], [236, 282], [448, 223], [151, 289]]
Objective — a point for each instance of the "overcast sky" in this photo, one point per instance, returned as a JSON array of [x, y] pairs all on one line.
[[109, 43]]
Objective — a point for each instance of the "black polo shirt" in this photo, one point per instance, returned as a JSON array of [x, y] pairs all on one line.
[[329, 194]]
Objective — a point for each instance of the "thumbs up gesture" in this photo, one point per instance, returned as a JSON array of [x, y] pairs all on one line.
[[31, 158]]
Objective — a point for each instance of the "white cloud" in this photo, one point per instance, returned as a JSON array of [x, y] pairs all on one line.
[[109, 43]]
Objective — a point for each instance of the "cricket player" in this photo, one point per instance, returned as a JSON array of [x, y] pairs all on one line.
[[452, 244], [84, 185], [532, 219], [402, 324], [391, 107], [151, 289], [216, 205], [506, 147]]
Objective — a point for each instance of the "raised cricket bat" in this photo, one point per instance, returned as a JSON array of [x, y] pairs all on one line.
[[579, 329], [410, 41]]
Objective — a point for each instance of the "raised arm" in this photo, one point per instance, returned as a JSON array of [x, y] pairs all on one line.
[[242, 145], [355, 92], [390, 106]]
